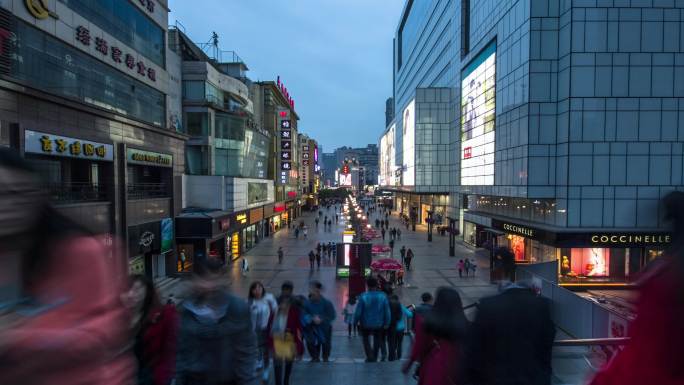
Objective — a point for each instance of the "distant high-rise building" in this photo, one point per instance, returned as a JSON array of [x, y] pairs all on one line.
[[364, 157], [389, 111]]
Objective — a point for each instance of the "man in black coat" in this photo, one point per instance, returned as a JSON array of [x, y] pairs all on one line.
[[215, 328], [511, 338]]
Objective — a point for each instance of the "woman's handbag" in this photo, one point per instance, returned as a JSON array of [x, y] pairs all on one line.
[[284, 347]]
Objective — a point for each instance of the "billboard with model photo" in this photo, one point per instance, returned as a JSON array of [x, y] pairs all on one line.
[[408, 146], [478, 118]]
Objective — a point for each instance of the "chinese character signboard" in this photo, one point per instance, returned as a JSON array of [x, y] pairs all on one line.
[[285, 125], [56, 145], [102, 46]]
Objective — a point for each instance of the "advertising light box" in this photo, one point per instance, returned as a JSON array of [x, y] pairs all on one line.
[[387, 158], [408, 143], [478, 119]]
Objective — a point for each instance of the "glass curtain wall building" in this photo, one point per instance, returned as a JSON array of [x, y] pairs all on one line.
[[564, 126]]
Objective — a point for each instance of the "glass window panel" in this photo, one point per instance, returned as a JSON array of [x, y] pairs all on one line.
[[126, 22], [43, 62]]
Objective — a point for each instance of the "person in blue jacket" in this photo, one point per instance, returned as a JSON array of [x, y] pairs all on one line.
[[318, 315], [373, 316]]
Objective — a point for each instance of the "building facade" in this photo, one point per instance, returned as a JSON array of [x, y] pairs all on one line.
[[566, 121], [228, 154], [275, 112], [309, 170], [89, 96]]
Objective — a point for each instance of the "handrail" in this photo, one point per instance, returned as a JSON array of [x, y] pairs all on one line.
[[617, 341]]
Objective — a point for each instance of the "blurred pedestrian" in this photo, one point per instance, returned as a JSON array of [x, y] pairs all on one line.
[[473, 266], [421, 310], [296, 233], [409, 259], [383, 233], [312, 259], [319, 313], [439, 342], [155, 327], [398, 233], [318, 260], [316, 220], [244, 266], [62, 316], [348, 314], [466, 267], [655, 352], [402, 252], [377, 223], [280, 255], [262, 305], [285, 337], [372, 314], [215, 329], [395, 334], [461, 266], [306, 232], [493, 349]]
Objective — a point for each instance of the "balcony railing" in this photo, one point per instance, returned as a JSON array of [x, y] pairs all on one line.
[[76, 192], [148, 190]]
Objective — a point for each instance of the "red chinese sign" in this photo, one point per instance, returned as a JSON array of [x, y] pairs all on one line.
[[283, 89], [101, 45], [467, 152]]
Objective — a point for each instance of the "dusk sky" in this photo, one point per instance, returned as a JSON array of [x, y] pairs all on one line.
[[334, 56]]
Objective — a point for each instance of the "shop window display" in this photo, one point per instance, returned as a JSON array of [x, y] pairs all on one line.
[[589, 263], [518, 247]]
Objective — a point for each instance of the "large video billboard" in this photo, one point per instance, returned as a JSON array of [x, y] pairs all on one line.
[[408, 144], [478, 119], [387, 158]]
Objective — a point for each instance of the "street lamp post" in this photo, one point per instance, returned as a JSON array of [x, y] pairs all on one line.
[[429, 223], [452, 237]]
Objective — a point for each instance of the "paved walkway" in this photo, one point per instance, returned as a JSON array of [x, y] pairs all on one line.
[[431, 268]]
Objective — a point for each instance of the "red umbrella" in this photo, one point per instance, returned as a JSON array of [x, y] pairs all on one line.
[[380, 248], [386, 264]]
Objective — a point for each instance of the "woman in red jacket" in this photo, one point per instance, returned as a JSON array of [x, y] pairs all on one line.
[[155, 327], [655, 354], [285, 338], [438, 340]]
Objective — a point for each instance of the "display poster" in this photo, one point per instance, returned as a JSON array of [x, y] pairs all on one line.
[[166, 234], [408, 144], [478, 119]]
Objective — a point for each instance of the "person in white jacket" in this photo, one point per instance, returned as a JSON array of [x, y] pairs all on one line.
[[262, 306]]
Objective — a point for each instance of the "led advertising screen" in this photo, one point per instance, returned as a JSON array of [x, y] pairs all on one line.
[[345, 179], [478, 119], [408, 146], [387, 158]]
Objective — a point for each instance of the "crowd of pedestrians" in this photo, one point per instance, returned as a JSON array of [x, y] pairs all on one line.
[[71, 314]]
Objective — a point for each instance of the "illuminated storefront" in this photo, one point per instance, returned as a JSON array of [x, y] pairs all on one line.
[[584, 259], [201, 235]]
